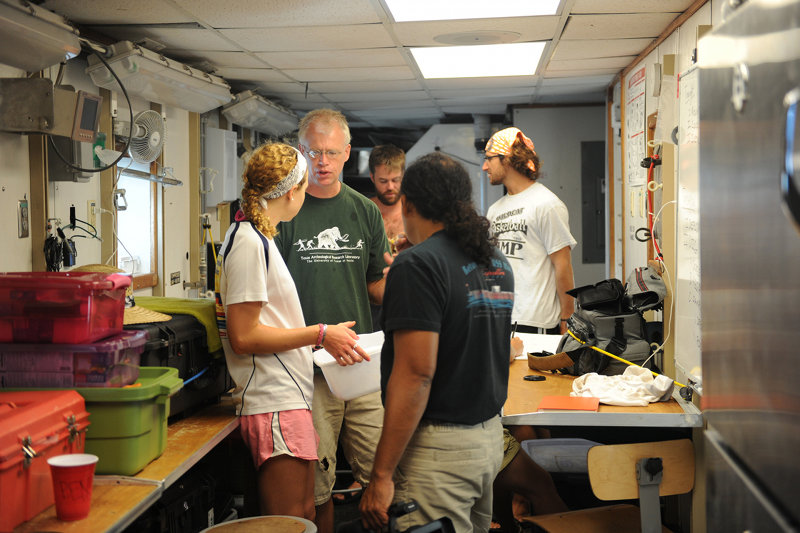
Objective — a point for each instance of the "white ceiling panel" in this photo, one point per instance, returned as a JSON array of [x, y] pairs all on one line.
[[375, 106], [116, 12], [350, 74], [219, 60], [350, 55], [308, 38], [627, 26], [374, 86], [482, 83], [586, 81], [425, 33], [586, 49], [255, 74], [617, 63], [280, 13], [626, 6], [173, 38], [387, 96], [579, 73], [477, 109], [511, 92], [372, 57]]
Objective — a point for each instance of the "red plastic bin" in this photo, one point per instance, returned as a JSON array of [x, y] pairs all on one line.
[[111, 362], [61, 307], [47, 423]]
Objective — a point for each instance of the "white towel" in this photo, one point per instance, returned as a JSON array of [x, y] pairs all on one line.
[[636, 386]]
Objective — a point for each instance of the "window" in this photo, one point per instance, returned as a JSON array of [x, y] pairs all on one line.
[[135, 198]]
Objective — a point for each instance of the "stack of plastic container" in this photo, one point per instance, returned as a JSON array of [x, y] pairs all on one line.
[[64, 330]]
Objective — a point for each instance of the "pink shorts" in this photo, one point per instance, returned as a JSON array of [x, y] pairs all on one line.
[[280, 433]]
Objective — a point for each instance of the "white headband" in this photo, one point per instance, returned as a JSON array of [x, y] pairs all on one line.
[[292, 179]]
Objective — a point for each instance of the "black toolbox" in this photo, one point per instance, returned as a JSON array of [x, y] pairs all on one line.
[[181, 343]]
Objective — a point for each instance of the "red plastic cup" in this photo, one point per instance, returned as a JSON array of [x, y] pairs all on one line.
[[73, 475]]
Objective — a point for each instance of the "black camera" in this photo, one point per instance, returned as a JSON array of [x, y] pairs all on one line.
[[442, 525]]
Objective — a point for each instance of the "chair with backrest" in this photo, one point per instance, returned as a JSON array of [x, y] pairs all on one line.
[[645, 471]]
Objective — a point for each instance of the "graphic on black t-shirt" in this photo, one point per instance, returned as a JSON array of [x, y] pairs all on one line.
[[329, 246], [489, 296]]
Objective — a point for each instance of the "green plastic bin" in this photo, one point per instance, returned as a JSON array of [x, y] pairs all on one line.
[[128, 426]]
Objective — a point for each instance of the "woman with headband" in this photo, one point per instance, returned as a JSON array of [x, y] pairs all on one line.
[[267, 344]]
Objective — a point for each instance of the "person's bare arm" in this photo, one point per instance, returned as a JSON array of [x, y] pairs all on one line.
[[406, 398], [562, 262], [248, 335]]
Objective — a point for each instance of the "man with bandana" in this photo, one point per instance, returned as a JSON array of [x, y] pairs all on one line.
[[532, 227]]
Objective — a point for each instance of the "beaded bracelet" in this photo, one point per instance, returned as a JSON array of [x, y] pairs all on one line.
[[323, 329]]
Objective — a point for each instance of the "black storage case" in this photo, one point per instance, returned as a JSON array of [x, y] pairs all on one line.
[[182, 343]]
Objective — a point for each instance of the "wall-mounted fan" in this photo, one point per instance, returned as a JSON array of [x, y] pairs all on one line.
[[147, 138]]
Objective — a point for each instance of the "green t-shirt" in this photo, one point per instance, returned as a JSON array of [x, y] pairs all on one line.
[[333, 247]]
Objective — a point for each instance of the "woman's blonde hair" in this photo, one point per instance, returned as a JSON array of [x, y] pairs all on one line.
[[269, 164]]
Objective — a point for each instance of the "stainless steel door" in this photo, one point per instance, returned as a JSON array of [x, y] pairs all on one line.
[[750, 254]]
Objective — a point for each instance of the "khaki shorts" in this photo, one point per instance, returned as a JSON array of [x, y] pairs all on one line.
[[356, 423], [449, 470], [511, 448]]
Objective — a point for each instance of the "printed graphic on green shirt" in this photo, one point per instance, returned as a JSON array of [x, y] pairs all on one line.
[[329, 246]]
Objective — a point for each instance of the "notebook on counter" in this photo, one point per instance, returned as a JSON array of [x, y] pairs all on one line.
[[568, 403]]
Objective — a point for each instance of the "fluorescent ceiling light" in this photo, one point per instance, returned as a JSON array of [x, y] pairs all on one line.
[[477, 61], [158, 79], [251, 110], [33, 38], [411, 10]]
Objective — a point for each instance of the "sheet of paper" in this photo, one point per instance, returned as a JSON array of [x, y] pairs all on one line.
[[534, 342]]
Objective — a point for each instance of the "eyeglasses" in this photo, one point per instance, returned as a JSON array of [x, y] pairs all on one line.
[[490, 157], [332, 154]]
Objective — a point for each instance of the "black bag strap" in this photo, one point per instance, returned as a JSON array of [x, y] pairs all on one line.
[[618, 343]]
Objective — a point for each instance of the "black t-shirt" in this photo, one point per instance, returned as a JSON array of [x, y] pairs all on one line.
[[434, 286]]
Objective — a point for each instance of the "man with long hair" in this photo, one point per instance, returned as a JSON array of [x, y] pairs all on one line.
[[444, 363]]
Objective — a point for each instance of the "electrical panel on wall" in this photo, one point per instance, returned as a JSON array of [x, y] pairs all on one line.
[[221, 180], [77, 153]]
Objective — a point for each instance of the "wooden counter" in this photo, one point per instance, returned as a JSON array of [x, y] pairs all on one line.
[[522, 405], [118, 500]]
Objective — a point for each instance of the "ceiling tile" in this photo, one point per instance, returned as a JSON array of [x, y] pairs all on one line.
[[482, 83], [578, 73], [251, 74], [375, 57], [423, 33], [478, 109], [174, 39], [626, 6], [384, 96], [618, 63], [510, 92], [352, 86], [628, 26], [586, 49], [281, 13], [117, 11], [350, 74], [217, 60], [310, 38]]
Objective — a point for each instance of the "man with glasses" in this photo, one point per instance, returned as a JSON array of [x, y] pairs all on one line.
[[334, 249], [532, 227]]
